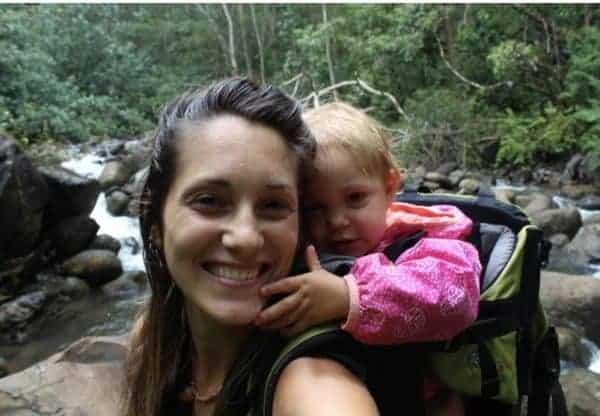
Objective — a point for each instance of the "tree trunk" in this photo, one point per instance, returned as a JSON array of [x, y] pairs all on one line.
[[261, 54], [234, 65], [248, 61], [328, 51], [587, 17]]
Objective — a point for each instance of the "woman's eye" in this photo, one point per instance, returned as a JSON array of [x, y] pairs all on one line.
[[209, 203], [356, 198], [277, 208]]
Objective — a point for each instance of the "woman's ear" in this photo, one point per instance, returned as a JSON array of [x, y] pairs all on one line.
[[391, 184]]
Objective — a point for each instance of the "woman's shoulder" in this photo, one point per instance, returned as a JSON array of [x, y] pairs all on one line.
[[321, 385]]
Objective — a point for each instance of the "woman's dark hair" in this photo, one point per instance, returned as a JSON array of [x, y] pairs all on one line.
[[159, 358]]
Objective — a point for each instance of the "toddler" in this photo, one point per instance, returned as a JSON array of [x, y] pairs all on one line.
[[429, 293]]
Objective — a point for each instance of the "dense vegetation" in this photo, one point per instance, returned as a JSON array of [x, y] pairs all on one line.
[[520, 83]]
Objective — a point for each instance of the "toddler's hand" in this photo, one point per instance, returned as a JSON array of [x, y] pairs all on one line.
[[312, 298]]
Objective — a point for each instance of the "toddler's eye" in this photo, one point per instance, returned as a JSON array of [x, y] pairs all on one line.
[[356, 199]]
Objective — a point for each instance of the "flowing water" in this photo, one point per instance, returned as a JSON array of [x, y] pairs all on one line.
[[100, 313]]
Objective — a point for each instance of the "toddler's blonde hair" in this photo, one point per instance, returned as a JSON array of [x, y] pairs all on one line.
[[340, 126]]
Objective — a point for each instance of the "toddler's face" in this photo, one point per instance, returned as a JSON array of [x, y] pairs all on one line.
[[345, 207]]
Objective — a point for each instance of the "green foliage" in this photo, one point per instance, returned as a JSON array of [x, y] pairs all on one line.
[[532, 138], [444, 126], [526, 74]]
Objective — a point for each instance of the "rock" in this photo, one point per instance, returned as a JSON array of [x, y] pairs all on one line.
[[431, 186], [115, 173], [126, 286], [440, 179], [578, 191], [572, 301], [105, 242], [556, 221], [591, 202], [456, 176], [132, 244], [446, 167], [582, 388], [136, 184], [559, 240], [117, 203], [83, 380], [71, 194], [74, 288], [523, 200], [72, 235], [95, 267], [3, 368], [23, 198], [17, 314], [419, 172], [590, 171], [572, 171], [585, 247], [539, 202], [505, 195], [546, 176], [16, 272], [469, 186], [572, 348]]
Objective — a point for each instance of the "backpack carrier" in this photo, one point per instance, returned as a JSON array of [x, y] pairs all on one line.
[[507, 361]]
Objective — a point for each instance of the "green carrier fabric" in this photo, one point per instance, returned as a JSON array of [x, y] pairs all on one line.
[[509, 356]]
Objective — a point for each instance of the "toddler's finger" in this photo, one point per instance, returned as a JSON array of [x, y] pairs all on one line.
[[285, 285], [312, 259], [290, 318], [269, 316]]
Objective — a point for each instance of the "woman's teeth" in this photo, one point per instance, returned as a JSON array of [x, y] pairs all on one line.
[[233, 273]]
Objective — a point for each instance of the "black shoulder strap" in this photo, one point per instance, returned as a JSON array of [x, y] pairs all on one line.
[[545, 382], [401, 245]]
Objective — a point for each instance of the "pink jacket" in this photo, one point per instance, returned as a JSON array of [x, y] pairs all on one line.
[[430, 293]]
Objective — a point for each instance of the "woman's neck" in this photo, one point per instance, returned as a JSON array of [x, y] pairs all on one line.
[[216, 346]]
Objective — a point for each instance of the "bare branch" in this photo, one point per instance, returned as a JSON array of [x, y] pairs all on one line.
[[328, 50], [234, 65], [463, 78], [261, 54], [362, 84]]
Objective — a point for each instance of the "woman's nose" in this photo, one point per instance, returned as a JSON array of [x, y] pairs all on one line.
[[244, 236]]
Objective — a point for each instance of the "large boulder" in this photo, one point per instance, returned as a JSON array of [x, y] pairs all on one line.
[[71, 194], [590, 202], [117, 202], [18, 271], [585, 247], [95, 267], [23, 198], [558, 221], [539, 202], [572, 301], [72, 235], [105, 242], [116, 173], [83, 380], [582, 392]]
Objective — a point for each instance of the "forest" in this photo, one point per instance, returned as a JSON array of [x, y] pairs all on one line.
[[481, 85]]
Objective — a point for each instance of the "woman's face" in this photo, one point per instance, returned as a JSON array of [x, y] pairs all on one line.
[[230, 220]]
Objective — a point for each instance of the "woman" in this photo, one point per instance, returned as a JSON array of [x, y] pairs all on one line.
[[220, 218]]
